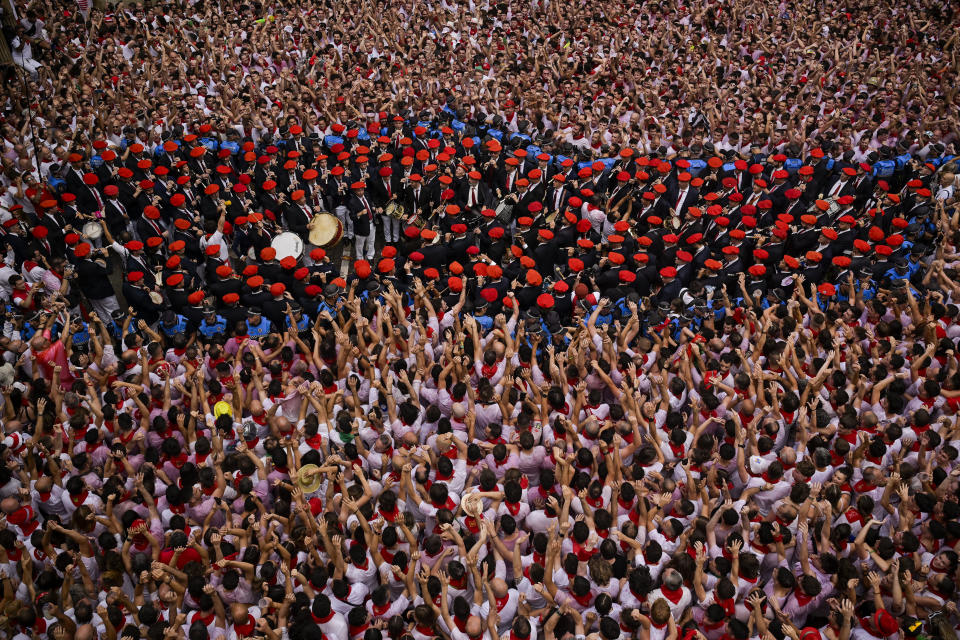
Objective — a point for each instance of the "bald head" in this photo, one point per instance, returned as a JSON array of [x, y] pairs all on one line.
[[85, 632], [499, 587], [39, 343], [474, 626], [9, 505], [788, 456]]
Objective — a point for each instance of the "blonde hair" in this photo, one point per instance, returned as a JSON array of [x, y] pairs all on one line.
[[660, 611]]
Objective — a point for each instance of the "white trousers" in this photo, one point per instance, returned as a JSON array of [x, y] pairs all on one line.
[[391, 229], [364, 245]]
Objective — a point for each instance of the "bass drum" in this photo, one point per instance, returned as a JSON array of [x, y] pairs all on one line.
[[287, 244], [92, 230], [326, 230]]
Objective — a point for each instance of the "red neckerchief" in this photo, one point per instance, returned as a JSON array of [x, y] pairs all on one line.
[[355, 631], [673, 595], [44, 495], [379, 610], [449, 504], [802, 598], [425, 630], [314, 441], [728, 604], [852, 515], [863, 487], [461, 623], [318, 620], [512, 507], [514, 636], [199, 617], [246, 628], [389, 516], [79, 499], [676, 449], [502, 602], [581, 551]]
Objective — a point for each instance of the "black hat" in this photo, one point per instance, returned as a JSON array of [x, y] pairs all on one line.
[[911, 627]]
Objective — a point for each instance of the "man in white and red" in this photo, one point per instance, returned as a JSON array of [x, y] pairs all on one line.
[[507, 600], [674, 591]]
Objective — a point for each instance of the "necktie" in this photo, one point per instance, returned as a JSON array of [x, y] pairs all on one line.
[[679, 200], [389, 190], [97, 196], [836, 188], [157, 227], [473, 197]]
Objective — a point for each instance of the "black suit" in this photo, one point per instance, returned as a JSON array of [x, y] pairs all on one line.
[[481, 198], [297, 217], [93, 279], [139, 299], [361, 214]]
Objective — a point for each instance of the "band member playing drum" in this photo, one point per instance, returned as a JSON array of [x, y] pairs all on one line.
[[416, 200], [297, 214], [338, 195], [384, 190]]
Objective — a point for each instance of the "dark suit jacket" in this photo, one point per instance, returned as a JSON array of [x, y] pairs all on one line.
[[485, 199], [362, 216]]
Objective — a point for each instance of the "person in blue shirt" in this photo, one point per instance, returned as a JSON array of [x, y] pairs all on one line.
[[295, 317], [480, 314], [900, 271], [213, 324], [80, 332], [329, 303], [257, 325], [120, 325], [172, 323]]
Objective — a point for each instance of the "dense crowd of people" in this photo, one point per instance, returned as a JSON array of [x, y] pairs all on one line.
[[634, 320]]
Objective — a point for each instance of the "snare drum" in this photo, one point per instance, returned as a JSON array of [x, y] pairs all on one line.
[[287, 244], [395, 210], [504, 212], [92, 230], [326, 230]]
